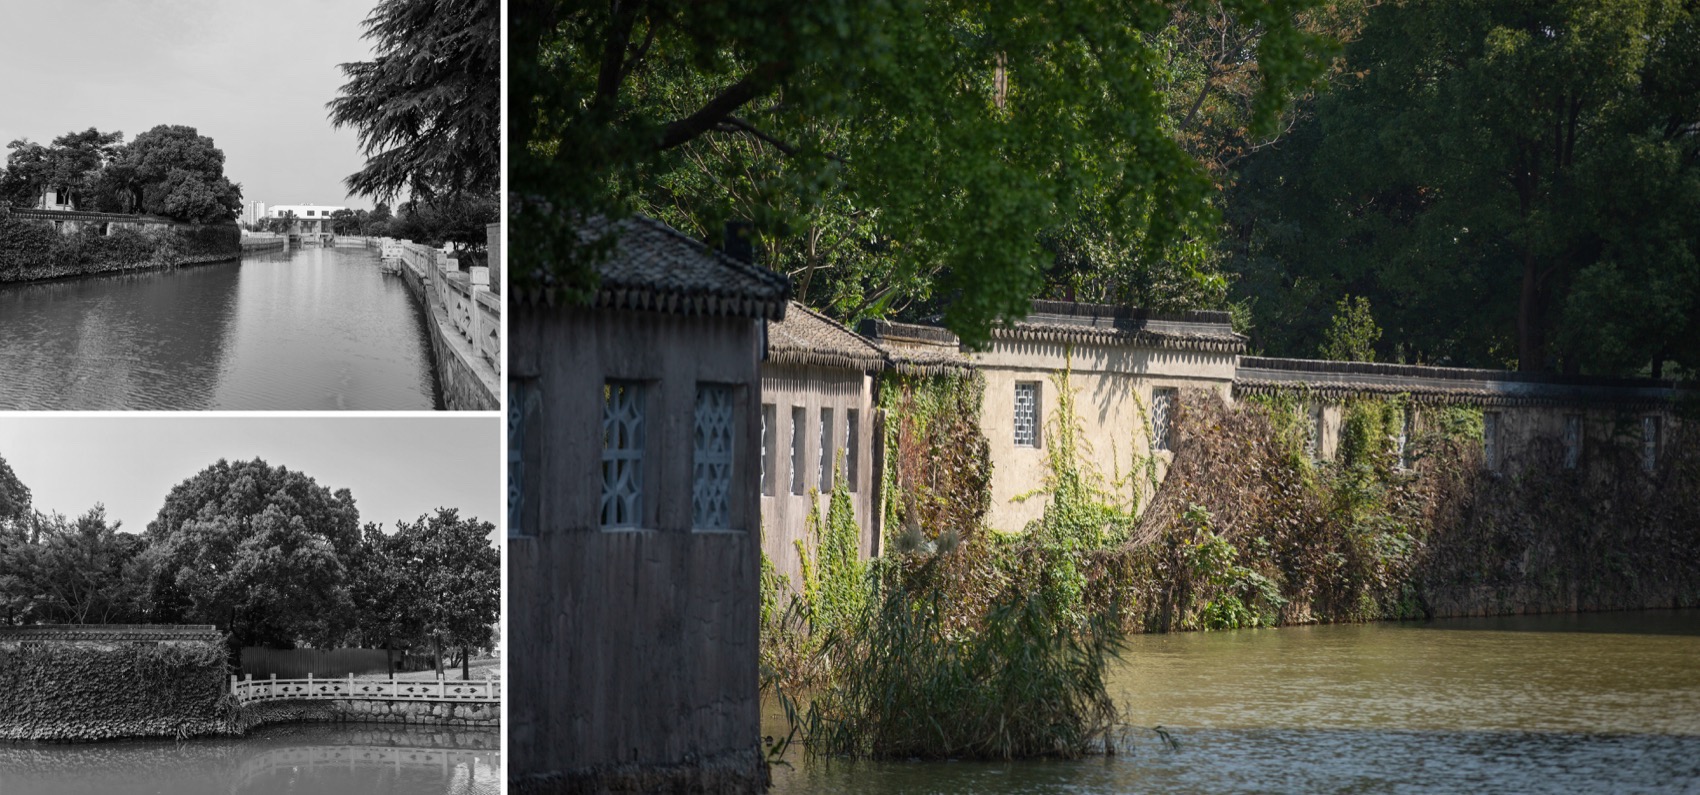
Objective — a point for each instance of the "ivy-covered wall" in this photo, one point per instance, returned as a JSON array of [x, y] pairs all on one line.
[[32, 250], [102, 691]]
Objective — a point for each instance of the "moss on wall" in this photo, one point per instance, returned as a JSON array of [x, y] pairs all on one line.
[[83, 692], [32, 250]]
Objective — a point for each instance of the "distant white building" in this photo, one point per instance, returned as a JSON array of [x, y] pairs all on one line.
[[312, 221], [254, 212]]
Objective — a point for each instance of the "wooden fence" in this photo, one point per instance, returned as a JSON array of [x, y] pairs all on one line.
[[249, 690]]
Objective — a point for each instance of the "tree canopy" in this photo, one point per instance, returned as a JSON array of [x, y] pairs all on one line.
[[257, 550], [1511, 183], [170, 170], [428, 109], [920, 151]]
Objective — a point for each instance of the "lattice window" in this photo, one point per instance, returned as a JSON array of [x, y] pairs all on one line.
[[769, 448], [1572, 441], [622, 454], [711, 483], [799, 421], [852, 446], [1649, 443], [1162, 418], [827, 450], [1027, 413], [1490, 441], [516, 459]]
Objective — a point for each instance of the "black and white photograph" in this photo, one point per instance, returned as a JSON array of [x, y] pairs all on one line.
[[250, 206], [225, 605]]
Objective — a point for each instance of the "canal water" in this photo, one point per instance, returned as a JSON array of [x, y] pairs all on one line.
[[312, 759], [1606, 702], [310, 329]]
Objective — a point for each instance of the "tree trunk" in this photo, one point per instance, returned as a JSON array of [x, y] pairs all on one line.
[[389, 657], [437, 644], [1531, 319], [465, 663]]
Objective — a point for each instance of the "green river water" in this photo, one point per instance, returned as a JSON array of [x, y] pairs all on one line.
[[1606, 702]]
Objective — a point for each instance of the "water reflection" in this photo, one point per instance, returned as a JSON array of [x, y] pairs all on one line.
[[1595, 703], [278, 760], [307, 329]]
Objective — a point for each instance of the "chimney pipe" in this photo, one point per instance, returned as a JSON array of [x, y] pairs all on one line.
[[738, 241]]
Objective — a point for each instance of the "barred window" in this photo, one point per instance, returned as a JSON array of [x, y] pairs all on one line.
[[711, 483], [852, 427], [769, 449], [1572, 440], [828, 451], [622, 454], [1649, 442], [1490, 441], [1402, 443], [1027, 413], [1313, 435], [799, 421], [1162, 417]]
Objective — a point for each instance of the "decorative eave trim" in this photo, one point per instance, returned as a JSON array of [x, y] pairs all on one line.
[[703, 304], [1029, 332], [1438, 396], [806, 357]]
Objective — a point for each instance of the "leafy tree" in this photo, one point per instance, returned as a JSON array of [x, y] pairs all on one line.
[[257, 550], [1353, 334], [458, 221], [1509, 182], [428, 109], [455, 577], [14, 495], [174, 171], [74, 162], [16, 552], [920, 146], [83, 571]]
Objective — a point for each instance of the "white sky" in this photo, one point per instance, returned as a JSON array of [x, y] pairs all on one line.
[[252, 75], [396, 467]]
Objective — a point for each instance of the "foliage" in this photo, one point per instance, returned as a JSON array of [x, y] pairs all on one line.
[[911, 152], [83, 693], [429, 108], [74, 162], [460, 221], [256, 550], [938, 467], [1353, 333], [909, 683], [174, 171], [14, 495], [79, 572], [34, 250], [1508, 182], [454, 579], [833, 586]]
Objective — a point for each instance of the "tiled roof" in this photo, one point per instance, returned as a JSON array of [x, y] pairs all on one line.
[[657, 268], [1423, 384], [917, 350], [1059, 321], [808, 337]]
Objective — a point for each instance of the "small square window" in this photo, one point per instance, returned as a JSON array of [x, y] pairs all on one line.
[[1490, 441], [799, 422], [769, 450], [622, 454], [1572, 441], [828, 451], [1027, 413], [1162, 417], [852, 446], [1649, 443]]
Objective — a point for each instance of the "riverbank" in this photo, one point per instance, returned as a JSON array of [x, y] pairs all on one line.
[[34, 251]]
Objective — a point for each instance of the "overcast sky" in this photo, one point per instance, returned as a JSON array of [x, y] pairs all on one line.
[[396, 467], [254, 76]]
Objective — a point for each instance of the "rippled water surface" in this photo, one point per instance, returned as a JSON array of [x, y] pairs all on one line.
[[346, 759], [1595, 703], [312, 329]]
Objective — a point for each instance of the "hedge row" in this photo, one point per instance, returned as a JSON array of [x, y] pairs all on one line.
[[32, 250], [66, 692]]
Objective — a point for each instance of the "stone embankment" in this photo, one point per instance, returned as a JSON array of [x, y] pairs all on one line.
[[436, 713]]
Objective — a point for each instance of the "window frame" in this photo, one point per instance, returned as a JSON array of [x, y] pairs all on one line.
[[634, 455], [1034, 439]]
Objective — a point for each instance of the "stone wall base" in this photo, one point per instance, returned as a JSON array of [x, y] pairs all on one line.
[[432, 713], [734, 773]]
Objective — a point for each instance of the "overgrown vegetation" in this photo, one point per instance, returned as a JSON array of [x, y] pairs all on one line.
[[969, 643], [34, 250]]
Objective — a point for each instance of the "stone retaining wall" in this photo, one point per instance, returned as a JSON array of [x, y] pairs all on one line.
[[435, 713]]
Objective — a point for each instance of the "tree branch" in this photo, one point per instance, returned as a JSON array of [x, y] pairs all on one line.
[[685, 130]]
